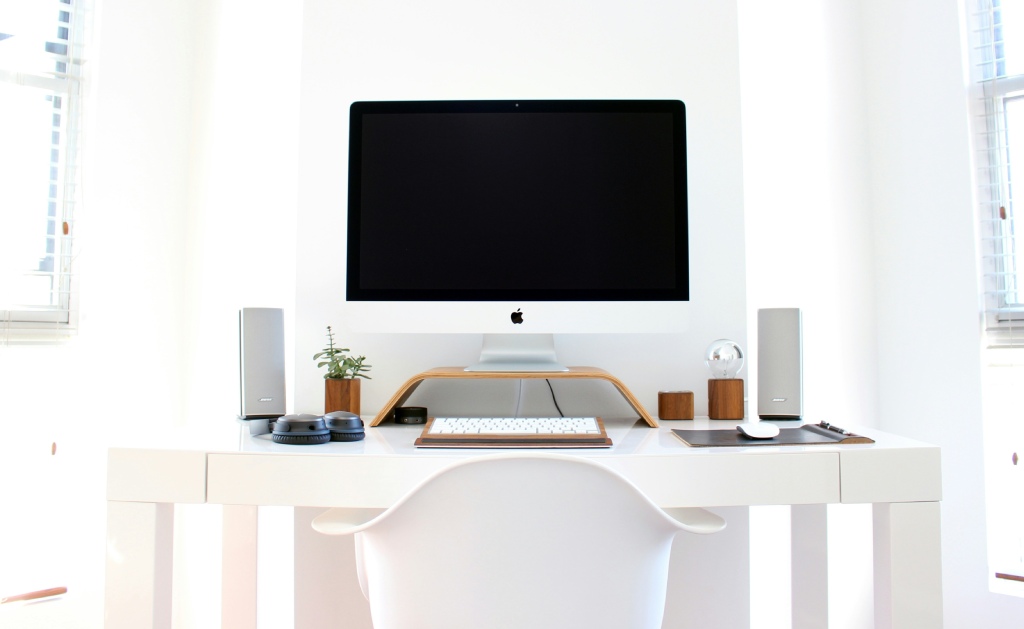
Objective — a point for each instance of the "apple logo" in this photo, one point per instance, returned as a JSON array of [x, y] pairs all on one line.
[[517, 316]]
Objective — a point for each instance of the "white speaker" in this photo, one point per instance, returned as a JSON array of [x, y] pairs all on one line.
[[780, 370], [261, 362]]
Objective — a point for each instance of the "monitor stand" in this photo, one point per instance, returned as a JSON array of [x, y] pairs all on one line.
[[518, 353], [460, 373]]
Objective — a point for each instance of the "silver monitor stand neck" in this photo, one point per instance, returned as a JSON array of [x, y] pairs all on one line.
[[518, 352]]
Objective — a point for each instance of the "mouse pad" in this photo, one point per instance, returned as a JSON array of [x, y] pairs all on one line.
[[808, 434]]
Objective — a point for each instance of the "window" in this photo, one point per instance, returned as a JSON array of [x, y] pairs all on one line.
[[40, 102], [998, 63]]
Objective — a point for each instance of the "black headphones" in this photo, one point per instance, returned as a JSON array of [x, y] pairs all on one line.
[[306, 429], [302, 429], [344, 426]]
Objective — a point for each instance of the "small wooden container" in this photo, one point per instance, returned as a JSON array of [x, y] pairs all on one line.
[[725, 398], [675, 404], [342, 395]]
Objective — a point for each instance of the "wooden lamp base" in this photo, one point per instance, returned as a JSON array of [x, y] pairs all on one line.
[[725, 398]]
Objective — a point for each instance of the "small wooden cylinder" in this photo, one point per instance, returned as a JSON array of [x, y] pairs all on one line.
[[725, 398], [342, 395], [675, 404]]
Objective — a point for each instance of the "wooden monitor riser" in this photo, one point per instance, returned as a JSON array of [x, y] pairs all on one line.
[[442, 373]]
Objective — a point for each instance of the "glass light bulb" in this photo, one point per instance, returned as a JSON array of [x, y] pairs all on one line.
[[724, 358]]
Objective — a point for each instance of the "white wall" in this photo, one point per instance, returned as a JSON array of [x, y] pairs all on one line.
[[123, 373], [188, 214], [807, 212], [807, 206], [857, 167], [929, 365], [455, 49], [535, 49]]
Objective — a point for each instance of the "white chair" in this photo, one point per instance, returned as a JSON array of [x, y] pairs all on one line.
[[523, 541]]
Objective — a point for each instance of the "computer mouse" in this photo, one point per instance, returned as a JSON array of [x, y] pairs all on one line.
[[758, 430]]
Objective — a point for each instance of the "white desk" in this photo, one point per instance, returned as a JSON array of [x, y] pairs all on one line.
[[901, 477]]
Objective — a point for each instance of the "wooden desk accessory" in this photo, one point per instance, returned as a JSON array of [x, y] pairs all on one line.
[[403, 393], [725, 398], [342, 394], [675, 404]]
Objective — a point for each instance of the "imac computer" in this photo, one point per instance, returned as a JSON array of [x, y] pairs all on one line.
[[517, 220]]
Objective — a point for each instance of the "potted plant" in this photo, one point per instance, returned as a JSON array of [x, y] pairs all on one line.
[[341, 384]]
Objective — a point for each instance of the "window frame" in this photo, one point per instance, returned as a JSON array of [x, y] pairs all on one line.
[[58, 320]]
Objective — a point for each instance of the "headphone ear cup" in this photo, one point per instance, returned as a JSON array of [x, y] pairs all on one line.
[[298, 440], [302, 429], [347, 436], [344, 426]]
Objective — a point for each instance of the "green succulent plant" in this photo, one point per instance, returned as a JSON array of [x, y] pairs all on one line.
[[340, 365]]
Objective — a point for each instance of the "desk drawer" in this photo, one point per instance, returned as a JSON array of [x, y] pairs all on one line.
[[670, 481], [892, 475], [316, 481], [140, 475], [746, 478]]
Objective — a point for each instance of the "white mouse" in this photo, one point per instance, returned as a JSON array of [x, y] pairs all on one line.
[[758, 430]]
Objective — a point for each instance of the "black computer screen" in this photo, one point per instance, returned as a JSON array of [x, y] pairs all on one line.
[[517, 200]]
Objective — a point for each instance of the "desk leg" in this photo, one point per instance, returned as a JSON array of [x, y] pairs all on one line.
[[238, 576], [908, 565], [809, 548], [140, 538]]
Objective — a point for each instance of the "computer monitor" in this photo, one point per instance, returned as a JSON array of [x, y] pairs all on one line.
[[517, 220]]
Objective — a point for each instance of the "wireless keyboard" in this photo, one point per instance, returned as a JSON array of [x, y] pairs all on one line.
[[514, 432]]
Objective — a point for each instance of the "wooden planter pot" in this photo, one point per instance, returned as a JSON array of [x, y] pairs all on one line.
[[341, 395]]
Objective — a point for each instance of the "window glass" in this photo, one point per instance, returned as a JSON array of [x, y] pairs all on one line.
[[28, 188], [1013, 108], [1009, 18]]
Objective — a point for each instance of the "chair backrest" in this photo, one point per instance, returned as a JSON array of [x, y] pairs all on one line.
[[519, 541]]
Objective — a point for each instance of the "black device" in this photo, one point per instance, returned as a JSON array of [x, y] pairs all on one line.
[[344, 426], [411, 415], [483, 182], [301, 429]]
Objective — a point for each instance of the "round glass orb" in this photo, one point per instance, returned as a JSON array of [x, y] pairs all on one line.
[[724, 358]]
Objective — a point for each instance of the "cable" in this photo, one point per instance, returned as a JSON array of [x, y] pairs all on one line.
[[519, 399], [555, 401]]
